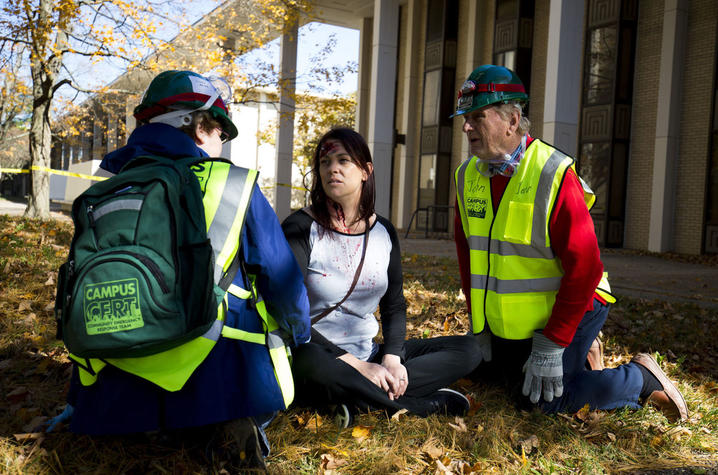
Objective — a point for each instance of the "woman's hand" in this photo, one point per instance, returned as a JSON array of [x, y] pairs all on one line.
[[393, 364], [376, 373]]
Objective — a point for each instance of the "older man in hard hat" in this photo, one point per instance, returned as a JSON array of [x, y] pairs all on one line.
[[530, 263]]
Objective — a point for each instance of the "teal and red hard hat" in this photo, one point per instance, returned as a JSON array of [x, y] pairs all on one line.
[[489, 84], [172, 96]]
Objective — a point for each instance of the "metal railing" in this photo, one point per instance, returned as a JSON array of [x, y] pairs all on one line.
[[428, 210]]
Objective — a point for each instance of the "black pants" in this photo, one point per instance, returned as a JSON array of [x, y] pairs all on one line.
[[321, 379]]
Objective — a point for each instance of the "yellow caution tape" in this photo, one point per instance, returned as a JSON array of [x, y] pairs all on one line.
[[101, 178], [54, 172], [301, 188]]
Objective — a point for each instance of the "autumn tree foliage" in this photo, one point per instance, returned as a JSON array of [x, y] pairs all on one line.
[[15, 101], [59, 38], [42, 35]]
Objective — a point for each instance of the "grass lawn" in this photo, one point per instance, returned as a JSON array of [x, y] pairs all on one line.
[[494, 437]]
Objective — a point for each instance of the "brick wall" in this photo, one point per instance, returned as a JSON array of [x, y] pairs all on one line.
[[643, 124], [699, 82]]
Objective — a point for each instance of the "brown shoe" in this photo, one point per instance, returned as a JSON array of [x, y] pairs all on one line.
[[670, 400], [594, 358]]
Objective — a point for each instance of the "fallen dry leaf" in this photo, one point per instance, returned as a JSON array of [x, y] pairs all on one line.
[[18, 394], [677, 433], [35, 424], [398, 414], [460, 425], [431, 449], [24, 305], [582, 414], [529, 444], [329, 462], [361, 433], [314, 422], [24, 414], [40, 436], [474, 405], [611, 436]]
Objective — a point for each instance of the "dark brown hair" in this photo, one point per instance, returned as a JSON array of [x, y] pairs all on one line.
[[356, 147], [206, 122], [204, 119]]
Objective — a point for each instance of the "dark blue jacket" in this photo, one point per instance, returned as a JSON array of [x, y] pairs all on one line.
[[236, 380]]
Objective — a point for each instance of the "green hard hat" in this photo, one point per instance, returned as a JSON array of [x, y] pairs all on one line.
[[489, 84], [173, 95]]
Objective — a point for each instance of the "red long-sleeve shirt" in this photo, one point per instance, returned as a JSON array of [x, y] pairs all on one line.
[[573, 240]]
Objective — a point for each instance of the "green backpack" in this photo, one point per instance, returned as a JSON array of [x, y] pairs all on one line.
[[140, 276]]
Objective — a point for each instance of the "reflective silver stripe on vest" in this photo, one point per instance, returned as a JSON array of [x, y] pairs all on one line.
[[215, 331], [543, 198], [515, 286], [274, 340], [460, 181], [503, 248], [218, 232], [133, 204]]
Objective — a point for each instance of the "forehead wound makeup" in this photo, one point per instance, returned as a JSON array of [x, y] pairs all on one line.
[[327, 148]]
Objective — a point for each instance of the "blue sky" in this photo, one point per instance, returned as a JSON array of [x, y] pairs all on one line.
[[313, 37]]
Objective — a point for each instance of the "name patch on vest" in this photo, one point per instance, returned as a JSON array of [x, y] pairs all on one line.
[[476, 207], [473, 186], [112, 306]]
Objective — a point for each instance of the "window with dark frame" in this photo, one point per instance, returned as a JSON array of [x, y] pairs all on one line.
[[604, 134]]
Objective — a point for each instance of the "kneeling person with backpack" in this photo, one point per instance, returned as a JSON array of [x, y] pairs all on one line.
[[180, 298]]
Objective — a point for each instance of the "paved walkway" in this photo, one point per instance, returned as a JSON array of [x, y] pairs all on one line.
[[16, 208], [630, 274]]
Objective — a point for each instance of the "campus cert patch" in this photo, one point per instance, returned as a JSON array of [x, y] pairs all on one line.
[[112, 306]]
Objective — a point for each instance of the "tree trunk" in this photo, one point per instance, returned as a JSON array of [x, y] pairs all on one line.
[[45, 64], [38, 205]]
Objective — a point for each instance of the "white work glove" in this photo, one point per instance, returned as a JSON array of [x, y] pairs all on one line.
[[484, 341], [544, 369]]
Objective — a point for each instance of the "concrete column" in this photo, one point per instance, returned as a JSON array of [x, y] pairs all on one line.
[[465, 65], [285, 132], [382, 92], [409, 153], [563, 74], [668, 114], [364, 79]]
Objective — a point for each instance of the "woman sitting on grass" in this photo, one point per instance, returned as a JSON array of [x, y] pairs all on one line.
[[351, 262]]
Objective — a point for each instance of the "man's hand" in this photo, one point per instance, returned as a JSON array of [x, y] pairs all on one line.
[[393, 364], [544, 369], [375, 373]]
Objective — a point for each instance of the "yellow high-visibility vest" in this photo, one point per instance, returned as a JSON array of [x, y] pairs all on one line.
[[227, 192], [515, 274]]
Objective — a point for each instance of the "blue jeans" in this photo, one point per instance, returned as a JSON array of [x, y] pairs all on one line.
[[606, 389], [610, 388]]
